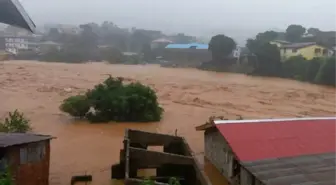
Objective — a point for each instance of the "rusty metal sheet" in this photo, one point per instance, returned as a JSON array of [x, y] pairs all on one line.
[[11, 139], [316, 169]]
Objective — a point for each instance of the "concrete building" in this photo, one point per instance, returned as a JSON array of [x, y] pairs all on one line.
[[273, 151], [15, 44], [27, 157]]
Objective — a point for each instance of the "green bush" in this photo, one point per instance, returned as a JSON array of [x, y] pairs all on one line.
[[312, 69], [76, 106], [295, 68], [15, 122], [6, 177], [113, 100], [326, 73]]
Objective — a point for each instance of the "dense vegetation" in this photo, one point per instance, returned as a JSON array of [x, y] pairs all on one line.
[[264, 59], [114, 100], [15, 122]]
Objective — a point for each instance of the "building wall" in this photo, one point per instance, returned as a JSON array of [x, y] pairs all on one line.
[[218, 153], [307, 52], [187, 57], [29, 173]]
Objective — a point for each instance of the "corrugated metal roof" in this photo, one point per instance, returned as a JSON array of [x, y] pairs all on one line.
[[12, 12], [187, 46], [11, 139], [303, 170], [253, 141], [298, 45]]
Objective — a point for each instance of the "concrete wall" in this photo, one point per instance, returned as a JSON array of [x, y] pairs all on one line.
[[29, 173], [218, 153], [187, 57]]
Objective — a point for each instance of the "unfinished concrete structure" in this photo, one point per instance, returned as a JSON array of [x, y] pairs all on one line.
[[175, 160], [273, 152]]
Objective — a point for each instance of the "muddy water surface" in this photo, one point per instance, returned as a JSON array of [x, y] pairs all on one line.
[[189, 97]]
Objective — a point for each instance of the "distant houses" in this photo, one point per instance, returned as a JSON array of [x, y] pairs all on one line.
[[191, 54], [273, 151], [27, 157], [308, 50]]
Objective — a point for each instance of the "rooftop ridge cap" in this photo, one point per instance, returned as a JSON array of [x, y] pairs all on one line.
[[217, 122]]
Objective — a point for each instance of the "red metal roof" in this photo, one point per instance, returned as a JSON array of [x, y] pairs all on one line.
[[275, 139]]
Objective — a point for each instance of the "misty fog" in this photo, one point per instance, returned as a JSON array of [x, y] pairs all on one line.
[[239, 18]]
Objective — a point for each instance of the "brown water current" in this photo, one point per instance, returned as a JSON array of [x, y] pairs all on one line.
[[189, 97]]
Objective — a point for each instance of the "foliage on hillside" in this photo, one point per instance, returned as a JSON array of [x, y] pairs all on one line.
[[114, 100], [15, 122], [326, 73]]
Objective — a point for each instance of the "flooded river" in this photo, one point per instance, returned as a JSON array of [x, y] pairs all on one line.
[[189, 97]]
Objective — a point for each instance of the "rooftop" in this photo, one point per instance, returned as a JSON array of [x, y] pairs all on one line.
[[187, 46], [11, 139], [284, 151], [299, 45]]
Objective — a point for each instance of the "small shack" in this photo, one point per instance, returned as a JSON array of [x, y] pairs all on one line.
[[273, 151], [27, 157]]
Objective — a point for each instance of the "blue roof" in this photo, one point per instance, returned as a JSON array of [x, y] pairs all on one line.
[[187, 46]]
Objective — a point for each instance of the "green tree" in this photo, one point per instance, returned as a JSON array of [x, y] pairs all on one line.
[[326, 73], [221, 46], [267, 36], [313, 31], [268, 59], [295, 67], [114, 101], [312, 69], [294, 32], [15, 122]]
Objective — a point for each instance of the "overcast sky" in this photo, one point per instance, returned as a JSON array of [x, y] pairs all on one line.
[[238, 18]]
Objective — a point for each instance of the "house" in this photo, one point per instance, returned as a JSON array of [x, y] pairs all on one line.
[[308, 50], [160, 43], [12, 13], [192, 54], [27, 157], [279, 43], [273, 151], [187, 55], [14, 44], [49, 46]]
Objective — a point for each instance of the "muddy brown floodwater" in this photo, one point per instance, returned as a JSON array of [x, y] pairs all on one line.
[[189, 97]]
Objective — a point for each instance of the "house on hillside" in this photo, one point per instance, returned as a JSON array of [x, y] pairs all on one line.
[[308, 50], [273, 151], [27, 156]]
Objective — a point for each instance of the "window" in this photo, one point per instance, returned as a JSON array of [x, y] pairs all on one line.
[[32, 153], [192, 47], [294, 50], [317, 51]]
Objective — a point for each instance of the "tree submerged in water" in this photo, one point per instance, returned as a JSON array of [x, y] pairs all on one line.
[[15, 122], [113, 100]]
